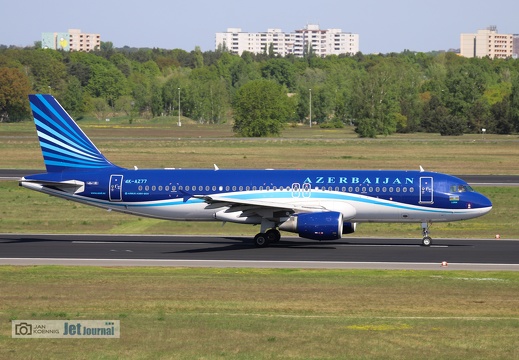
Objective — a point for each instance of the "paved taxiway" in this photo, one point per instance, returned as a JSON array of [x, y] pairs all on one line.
[[153, 250]]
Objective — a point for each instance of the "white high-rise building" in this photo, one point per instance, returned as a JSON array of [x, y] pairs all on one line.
[[487, 42], [298, 43]]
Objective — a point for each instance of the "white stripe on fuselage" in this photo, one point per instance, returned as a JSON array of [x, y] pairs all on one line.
[[369, 209]]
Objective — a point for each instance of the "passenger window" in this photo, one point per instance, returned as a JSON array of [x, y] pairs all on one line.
[[160, 187], [140, 187]]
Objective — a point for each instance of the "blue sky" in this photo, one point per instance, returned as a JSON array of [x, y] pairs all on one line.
[[383, 26]]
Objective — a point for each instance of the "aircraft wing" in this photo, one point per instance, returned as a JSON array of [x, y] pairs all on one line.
[[291, 207]]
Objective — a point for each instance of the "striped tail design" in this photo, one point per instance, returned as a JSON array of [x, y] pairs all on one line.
[[64, 145]]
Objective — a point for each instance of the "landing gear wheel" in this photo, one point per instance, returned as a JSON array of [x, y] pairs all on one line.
[[261, 240], [273, 235], [426, 241]]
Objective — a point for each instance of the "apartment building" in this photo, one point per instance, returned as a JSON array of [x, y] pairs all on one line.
[[73, 40], [300, 42], [487, 42], [516, 46]]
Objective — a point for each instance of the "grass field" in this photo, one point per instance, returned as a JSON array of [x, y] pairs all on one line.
[[170, 313], [159, 145]]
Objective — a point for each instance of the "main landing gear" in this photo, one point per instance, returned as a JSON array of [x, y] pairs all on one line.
[[266, 238], [426, 240]]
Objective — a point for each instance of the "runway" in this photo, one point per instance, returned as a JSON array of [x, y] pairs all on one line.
[[213, 251]]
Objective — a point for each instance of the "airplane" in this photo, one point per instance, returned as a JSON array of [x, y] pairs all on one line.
[[315, 204]]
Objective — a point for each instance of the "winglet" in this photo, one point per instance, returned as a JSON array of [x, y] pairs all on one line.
[[421, 169], [216, 168]]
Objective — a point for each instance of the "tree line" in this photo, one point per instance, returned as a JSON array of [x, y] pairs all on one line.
[[260, 93]]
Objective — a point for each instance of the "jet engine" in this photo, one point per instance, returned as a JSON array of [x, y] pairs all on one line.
[[316, 226], [349, 228]]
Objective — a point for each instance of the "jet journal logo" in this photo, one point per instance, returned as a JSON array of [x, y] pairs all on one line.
[[77, 329]]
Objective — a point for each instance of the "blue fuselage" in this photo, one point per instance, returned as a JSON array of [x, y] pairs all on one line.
[[176, 194]]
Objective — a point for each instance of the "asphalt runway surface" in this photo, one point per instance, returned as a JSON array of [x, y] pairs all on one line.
[[290, 252]]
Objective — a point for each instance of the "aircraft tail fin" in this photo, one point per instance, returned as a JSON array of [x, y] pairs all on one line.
[[65, 147]]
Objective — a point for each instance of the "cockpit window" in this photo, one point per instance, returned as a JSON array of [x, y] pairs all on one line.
[[461, 188]]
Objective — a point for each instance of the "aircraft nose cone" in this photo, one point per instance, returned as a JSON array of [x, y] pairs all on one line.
[[483, 202]]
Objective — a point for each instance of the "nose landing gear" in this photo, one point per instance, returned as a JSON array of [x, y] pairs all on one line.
[[426, 239]]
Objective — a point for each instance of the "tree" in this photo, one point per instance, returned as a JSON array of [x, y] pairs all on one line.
[[514, 102], [280, 70], [261, 108], [72, 98], [107, 82], [45, 68], [376, 99], [14, 91]]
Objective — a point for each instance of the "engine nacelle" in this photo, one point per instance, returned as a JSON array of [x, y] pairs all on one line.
[[316, 226], [349, 228]]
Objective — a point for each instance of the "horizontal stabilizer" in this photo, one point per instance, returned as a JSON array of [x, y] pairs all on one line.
[[69, 186]]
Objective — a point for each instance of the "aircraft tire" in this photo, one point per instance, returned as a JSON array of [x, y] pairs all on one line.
[[273, 235], [261, 240], [426, 241]]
